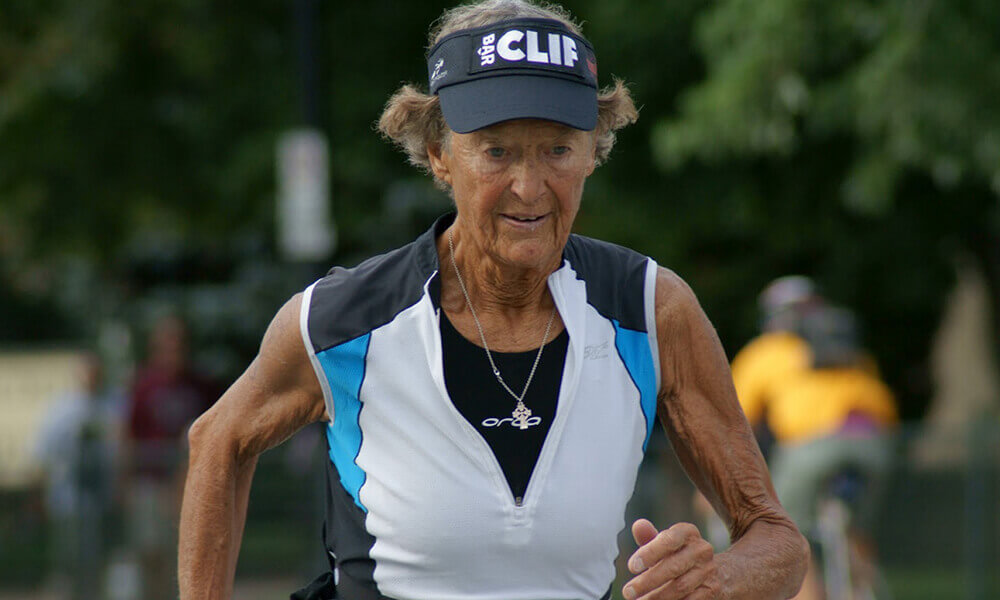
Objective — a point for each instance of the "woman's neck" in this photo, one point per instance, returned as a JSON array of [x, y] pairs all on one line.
[[493, 286], [502, 289]]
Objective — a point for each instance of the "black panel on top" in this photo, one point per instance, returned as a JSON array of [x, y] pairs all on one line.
[[348, 303], [615, 278]]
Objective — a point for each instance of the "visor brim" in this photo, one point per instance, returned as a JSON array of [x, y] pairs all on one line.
[[473, 105]]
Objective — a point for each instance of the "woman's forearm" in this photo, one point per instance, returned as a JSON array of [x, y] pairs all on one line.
[[213, 514], [276, 396]]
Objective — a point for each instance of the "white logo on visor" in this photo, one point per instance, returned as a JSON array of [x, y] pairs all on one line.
[[485, 52], [438, 73], [516, 45]]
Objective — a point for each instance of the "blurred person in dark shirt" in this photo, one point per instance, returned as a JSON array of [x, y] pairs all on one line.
[[167, 395]]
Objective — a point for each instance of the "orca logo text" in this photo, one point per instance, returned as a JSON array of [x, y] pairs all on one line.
[[495, 422]]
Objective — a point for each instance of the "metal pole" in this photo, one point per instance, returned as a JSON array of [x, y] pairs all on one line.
[[305, 38], [976, 507]]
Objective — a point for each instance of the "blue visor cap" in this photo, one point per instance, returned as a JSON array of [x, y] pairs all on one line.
[[516, 69]]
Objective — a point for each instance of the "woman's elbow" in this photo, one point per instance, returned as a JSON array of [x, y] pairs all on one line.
[[210, 441], [198, 435]]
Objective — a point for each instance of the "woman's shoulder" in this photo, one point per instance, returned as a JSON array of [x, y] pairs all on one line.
[[674, 297], [348, 302], [618, 279], [594, 254], [606, 266], [409, 265]]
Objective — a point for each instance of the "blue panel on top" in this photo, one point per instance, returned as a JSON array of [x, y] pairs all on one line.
[[344, 366], [633, 348]]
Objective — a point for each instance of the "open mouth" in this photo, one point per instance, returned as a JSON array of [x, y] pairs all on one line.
[[525, 219]]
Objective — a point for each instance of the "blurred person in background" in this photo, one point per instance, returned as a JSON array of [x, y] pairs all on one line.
[[166, 396], [778, 352], [491, 387], [806, 385], [78, 447]]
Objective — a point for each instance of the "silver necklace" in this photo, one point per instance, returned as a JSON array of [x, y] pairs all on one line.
[[521, 412]]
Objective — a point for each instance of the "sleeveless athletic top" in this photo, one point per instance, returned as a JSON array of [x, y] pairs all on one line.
[[417, 505], [477, 394]]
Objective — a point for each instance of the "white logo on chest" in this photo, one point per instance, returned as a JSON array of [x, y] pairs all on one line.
[[522, 423], [596, 351], [513, 47]]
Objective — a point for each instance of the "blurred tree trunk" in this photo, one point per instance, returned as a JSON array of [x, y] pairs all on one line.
[[967, 382]]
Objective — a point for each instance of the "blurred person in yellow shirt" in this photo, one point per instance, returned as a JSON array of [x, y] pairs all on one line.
[[805, 385]]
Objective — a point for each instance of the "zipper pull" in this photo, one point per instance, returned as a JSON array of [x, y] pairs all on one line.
[[518, 500]]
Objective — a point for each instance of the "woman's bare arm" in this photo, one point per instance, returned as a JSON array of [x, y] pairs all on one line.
[[713, 441], [275, 397]]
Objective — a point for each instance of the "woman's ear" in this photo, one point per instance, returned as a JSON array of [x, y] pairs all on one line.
[[436, 154]]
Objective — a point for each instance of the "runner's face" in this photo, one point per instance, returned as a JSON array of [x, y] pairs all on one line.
[[517, 187]]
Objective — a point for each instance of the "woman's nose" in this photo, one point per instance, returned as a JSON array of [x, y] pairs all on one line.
[[528, 180]]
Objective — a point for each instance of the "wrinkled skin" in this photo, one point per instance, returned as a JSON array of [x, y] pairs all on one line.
[[517, 188]]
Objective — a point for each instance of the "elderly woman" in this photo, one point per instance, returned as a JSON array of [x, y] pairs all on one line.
[[490, 388]]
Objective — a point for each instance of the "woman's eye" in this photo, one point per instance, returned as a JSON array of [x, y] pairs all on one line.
[[496, 152], [560, 150]]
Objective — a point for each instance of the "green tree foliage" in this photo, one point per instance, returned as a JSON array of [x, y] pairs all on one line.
[[119, 121], [136, 132], [852, 141], [162, 117], [860, 144], [914, 82]]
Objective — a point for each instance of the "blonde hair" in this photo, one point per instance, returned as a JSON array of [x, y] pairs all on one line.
[[412, 119]]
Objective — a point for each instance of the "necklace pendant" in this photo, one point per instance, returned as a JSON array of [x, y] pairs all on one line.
[[522, 418], [521, 415]]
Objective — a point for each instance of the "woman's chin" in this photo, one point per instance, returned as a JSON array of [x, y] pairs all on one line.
[[529, 254]]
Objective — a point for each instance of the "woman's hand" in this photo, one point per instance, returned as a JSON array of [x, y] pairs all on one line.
[[672, 564]]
